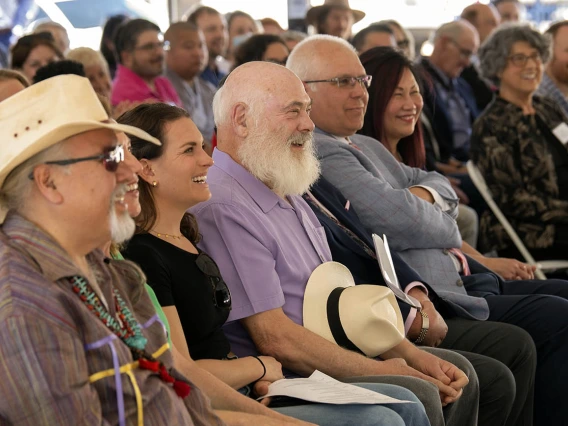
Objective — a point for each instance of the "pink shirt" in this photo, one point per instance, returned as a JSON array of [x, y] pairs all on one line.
[[129, 86]]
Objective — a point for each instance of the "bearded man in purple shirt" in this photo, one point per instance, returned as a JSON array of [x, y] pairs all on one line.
[[267, 242]]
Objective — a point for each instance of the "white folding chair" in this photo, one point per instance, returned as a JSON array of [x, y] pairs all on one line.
[[542, 266]]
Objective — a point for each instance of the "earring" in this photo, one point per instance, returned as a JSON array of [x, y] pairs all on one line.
[[154, 183]]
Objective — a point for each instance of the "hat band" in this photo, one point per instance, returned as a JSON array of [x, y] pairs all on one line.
[[335, 321]]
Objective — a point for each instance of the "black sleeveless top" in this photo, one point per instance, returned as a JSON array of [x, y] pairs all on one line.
[[177, 281]]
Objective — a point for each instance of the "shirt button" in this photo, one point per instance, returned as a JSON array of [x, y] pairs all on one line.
[[322, 258], [459, 283], [446, 251]]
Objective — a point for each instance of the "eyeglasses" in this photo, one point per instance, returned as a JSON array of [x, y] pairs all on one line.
[[364, 81], [111, 159], [520, 60], [464, 53], [150, 47], [221, 293], [403, 44]]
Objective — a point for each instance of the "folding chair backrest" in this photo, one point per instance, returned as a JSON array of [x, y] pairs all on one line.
[[481, 186]]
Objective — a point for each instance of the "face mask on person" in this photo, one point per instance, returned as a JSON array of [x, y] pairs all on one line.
[[240, 39]]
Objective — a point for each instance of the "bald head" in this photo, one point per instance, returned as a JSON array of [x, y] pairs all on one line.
[[316, 56], [263, 123], [248, 93], [483, 17], [454, 45]]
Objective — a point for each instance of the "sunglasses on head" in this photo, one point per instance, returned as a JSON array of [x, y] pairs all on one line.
[[111, 158], [221, 293]]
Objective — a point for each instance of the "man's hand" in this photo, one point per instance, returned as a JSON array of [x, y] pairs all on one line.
[[422, 193], [509, 269], [438, 327], [442, 371]]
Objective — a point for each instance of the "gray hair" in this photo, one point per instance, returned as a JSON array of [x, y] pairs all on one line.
[[495, 51], [88, 57], [292, 35], [17, 187], [304, 60], [224, 102]]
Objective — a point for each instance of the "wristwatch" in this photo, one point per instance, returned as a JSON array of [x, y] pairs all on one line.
[[425, 327]]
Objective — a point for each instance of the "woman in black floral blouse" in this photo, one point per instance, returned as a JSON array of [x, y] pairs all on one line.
[[518, 145]]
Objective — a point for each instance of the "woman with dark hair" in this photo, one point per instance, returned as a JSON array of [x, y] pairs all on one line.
[[393, 117], [262, 47], [187, 282], [107, 41], [31, 52], [395, 104]]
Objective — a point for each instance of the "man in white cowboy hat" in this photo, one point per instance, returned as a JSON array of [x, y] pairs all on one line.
[[267, 242], [79, 339], [334, 17]]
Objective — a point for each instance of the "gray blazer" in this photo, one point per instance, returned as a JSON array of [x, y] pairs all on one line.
[[377, 186]]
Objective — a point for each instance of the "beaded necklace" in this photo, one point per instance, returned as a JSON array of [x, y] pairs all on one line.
[[128, 330]]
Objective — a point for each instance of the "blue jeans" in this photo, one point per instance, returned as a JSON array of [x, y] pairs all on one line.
[[364, 415]]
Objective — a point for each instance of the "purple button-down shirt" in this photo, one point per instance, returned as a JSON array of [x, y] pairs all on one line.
[[265, 247]]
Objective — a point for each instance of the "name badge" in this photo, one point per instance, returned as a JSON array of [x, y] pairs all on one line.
[[561, 132]]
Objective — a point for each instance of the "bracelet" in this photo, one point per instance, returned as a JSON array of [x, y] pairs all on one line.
[[425, 327], [263, 367]]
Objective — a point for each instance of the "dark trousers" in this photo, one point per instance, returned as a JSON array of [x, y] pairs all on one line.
[[540, 308], [505, 347]]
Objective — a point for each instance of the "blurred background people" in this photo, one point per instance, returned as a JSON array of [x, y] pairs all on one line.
[[518, 149], [214, 28], [509, 10], [96, 69], [107, 41], [555, 79], [404, 38], [271, 26], [58, 32], [140, 50], [375, 35], [186, 58], [11, 82], [32, 52], [292, 38], [240, 26], [262, 47], [485, 19], [334, 17]]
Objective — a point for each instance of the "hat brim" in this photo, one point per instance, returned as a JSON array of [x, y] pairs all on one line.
[[324, 279], [314, 13], [331, 275]]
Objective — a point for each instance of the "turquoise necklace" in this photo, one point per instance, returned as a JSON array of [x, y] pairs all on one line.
[[128, 330]]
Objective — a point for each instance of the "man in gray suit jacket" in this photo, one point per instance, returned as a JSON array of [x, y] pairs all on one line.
[[416, 210]]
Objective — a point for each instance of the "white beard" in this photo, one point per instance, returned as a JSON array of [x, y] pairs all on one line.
[[122, 226], [272, 161]]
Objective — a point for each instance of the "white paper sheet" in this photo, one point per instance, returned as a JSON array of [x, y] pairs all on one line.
[[326, 390], [387, 268]]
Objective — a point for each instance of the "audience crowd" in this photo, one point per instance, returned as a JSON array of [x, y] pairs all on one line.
[[229, 240]]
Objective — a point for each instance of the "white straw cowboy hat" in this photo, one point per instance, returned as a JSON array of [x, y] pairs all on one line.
[[314, 13], [362, 318], [47, 113]]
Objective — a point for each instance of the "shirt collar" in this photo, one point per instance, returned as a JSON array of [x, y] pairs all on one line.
[[444, 79], [52, 260], [258, 191], [339, 138]]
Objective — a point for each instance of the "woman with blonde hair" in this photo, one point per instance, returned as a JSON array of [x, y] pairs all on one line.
[[96, 69]]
